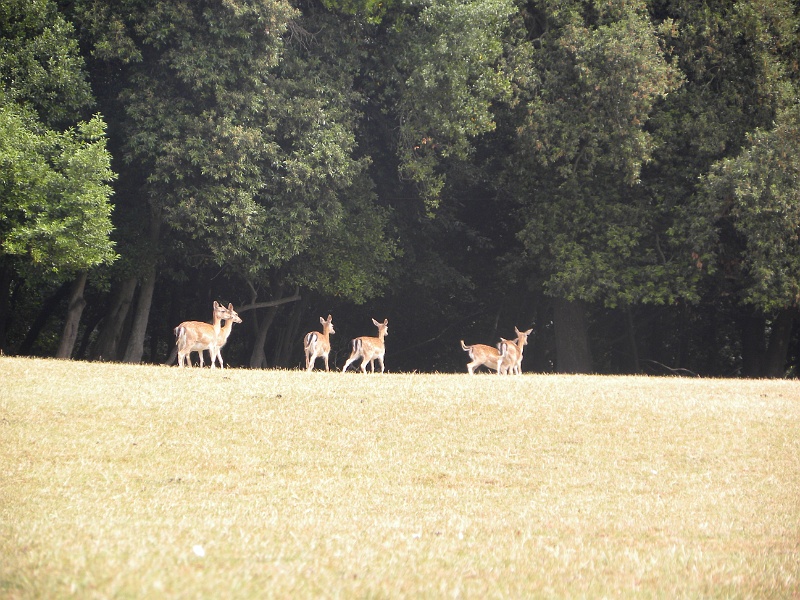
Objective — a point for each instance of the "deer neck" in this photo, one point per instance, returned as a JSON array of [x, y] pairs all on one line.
[[216, 322], [225, 332]]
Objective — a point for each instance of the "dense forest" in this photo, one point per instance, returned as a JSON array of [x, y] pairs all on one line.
[[622, 176]]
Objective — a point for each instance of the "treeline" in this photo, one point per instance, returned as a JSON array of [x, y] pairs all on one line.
[[622, 176]]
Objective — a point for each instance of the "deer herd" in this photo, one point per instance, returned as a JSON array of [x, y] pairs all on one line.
[[196, 336]]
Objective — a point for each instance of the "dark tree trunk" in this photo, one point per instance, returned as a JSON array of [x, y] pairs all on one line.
[[135, 347], [107, 347], [781, 334], [74, 311], [573, 354], [49, 307], [635, 362], [91, 326], [283, 350], [258, 359], [6, 277], [752, 329]]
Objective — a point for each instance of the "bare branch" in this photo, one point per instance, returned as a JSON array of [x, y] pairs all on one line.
[[277, 302]]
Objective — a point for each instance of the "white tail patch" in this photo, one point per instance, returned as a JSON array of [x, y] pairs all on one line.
[[195, 336], [370, 349], [318, 345]]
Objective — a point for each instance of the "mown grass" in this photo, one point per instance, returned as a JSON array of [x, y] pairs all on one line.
[[141, 481]]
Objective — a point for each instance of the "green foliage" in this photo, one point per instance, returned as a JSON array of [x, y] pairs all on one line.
[[347, 256], [597, 81], [55, 213], [241, 130], [588, 85], [450, 72], [757, 195], [740, 64], [55, 195], [372, 11], [40, 64]]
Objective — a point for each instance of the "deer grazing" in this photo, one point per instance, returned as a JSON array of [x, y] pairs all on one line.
[[194, 336], [318, 344], [369, 349], [222, 336], [511, 352]]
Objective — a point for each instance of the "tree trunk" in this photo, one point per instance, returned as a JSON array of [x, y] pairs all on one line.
[[775, 359], [635, 362], [751, 330], [284, 350], [107, 347], [258, 359], [573, 354], [6, 277], [90, 327], [48, 309], [76, 305], [135, 347]]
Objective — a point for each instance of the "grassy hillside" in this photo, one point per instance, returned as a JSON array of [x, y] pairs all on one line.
[[134, 481]]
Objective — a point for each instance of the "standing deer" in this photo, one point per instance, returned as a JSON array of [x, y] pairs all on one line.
[[369, 349], [194, 336], [224, 334], [511, 352], [316, 344], [481, 354]]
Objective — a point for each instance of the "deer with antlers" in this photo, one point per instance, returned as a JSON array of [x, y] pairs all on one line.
[[195, 336], [369, 349], [318, 344], [511, 352]]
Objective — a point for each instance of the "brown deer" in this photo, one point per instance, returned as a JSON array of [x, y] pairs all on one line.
[[194, 336], [481, 355], [224, 334], [511, 352], [369, 349], [316, 344]]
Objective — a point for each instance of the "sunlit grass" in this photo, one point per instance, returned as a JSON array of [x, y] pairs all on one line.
[[139, 481]]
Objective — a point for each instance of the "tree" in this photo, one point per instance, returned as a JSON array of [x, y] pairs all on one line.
[[447, 72], [740, 65], [240, 140], [589, 76], [755, 197], [54, 169], [191, 82]]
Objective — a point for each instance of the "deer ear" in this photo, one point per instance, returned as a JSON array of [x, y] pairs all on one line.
[[321, 320], [374, 322], [386, 321], [230, 305], [216, 304], [330, 318]]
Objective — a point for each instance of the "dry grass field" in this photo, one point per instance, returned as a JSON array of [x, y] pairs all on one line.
[[143, 481]]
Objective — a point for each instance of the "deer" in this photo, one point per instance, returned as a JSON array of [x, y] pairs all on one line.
[[194, 336], [316, 344], [369, 349], [511, 352], [481, 354], [222, 336]]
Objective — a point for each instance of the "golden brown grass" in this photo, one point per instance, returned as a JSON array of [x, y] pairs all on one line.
[[141, 481]]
